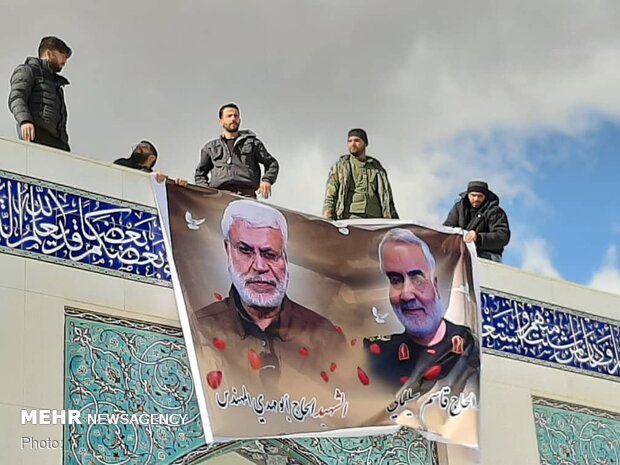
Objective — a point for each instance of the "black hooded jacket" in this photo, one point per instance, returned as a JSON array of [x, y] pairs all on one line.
[[37, 97], [489, 221]]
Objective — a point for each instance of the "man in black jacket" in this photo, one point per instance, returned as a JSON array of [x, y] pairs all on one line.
[[143, 157], [232, 161], [485, 222], [37, 99]]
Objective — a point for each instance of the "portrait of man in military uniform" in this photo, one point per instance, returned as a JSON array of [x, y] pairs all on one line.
[[257, 330], [431, 348]]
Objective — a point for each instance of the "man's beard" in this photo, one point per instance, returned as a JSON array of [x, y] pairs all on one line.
[[432, 319], [55, 66], [262, 302], [140, 157]]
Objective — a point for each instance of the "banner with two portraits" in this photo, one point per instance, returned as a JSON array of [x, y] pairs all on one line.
[[296, 325]]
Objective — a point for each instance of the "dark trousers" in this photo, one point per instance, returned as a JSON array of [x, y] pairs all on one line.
[[42, 137]]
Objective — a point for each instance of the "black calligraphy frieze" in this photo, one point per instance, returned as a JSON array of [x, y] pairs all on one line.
[[81, 229], [550, 335]]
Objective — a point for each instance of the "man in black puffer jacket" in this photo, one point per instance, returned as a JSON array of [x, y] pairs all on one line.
[[485, 222], [37, 99]]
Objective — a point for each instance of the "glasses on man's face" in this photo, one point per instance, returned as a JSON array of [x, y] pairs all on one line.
[[250, 252], [143, 149]]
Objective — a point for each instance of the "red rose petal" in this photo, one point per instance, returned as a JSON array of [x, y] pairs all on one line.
[[338, 329], [375, 349], [219, 344], [404, 379], [332, 367], [364, 379], [433, 372], [325, 376], [254, 359], [304, 351], [353, 342], [214, 379], [218, 296]]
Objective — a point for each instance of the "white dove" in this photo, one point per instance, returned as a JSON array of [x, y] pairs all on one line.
[[379, 317], [193, 224]]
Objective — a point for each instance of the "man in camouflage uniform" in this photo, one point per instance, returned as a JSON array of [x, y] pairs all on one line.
[[358, 186]]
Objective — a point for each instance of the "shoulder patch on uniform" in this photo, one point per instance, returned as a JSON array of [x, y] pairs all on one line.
[[403, 352]]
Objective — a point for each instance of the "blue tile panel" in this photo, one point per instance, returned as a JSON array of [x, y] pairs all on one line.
[[520, 328], [62, 225], [576, 435], [115, 365], [129, 368]]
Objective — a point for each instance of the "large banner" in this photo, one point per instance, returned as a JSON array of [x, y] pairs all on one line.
[[299, 325]]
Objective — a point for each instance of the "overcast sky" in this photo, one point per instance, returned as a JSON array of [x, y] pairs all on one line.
[[522, 94]]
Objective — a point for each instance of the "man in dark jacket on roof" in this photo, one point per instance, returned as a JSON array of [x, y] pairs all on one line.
[[232, 161], [37, 98], [143, 157], [485, 222]]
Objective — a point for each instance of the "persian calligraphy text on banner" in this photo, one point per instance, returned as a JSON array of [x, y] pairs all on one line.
[[298, 325]]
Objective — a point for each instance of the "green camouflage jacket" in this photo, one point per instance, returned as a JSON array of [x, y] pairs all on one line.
[[340, 181]]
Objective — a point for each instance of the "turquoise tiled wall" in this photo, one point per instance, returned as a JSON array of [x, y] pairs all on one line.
[[117, 365], [576, 435]]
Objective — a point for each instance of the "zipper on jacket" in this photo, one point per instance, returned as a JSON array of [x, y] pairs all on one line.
[[230, 152]]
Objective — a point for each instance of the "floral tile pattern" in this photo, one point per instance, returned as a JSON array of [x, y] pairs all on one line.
[[576, 435], [114, 367]]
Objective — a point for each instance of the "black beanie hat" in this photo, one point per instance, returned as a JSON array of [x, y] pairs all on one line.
[[357, 132], [478, 186]]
